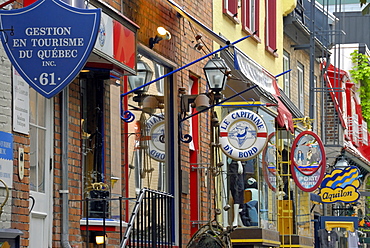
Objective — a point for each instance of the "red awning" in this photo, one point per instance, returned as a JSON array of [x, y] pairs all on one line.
[[284, 118]]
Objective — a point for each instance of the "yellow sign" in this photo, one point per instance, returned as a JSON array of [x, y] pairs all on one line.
[[348, 194], [341, 186]]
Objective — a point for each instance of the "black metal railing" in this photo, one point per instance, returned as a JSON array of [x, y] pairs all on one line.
[[151, 222]]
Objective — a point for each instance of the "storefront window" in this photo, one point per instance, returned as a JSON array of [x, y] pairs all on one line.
[[303, 213], [253, 190], [146, 147], [267, 176]]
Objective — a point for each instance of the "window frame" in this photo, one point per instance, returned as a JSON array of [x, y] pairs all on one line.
[[270, 28], [230, 9], [300, 82], [250, 16], [286, 76]]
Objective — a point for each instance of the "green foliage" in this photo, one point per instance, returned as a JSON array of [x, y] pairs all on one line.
[[360, 74]]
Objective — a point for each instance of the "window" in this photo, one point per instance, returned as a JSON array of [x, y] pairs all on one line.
[[271, 26], [93, 131], [250, 16], [38, 141], [300, 69], [231, 9], [159, 72], [286, 76]]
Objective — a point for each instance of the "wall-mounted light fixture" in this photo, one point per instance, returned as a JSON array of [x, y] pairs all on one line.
[[139, 82], [143, 75], [162, 34], [128, 116], [217, 73], [199, 102], [342, 163], [98, 237], [152, 102]]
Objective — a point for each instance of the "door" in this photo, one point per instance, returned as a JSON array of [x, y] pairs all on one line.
[[41, 144]]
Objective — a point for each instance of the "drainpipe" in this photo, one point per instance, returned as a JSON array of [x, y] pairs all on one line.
[[64, 191]]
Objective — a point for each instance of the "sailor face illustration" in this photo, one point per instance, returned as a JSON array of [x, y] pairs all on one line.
[[242, 134]]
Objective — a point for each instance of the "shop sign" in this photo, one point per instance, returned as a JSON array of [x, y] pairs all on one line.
[[269, 162], [308, 161], [155, 129], [48, 51], [6, 158], [104, 42], [21, 103], [243, 135], [341, 186]]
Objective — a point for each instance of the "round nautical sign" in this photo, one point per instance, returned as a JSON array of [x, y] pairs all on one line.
[[155, 129], [243, 134]]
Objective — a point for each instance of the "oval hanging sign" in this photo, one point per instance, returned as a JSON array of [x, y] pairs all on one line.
[[308, 161], [243, 134], [49, 42], [155, 129]]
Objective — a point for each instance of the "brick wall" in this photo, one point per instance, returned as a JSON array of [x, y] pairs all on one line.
[[15, 211], [303, 57], [149, 15]]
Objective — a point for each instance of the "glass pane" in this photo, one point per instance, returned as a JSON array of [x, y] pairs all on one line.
[[33, 158], [41, 107], [41, 161], [33, 106]]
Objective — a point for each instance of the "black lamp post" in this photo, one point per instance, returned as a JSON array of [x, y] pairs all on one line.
[[216, 72], [143, 76]]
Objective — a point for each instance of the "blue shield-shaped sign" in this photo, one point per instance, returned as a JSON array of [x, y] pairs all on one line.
[[49, 42]]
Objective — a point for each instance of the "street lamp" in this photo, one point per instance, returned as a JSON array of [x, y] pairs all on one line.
[[143, 76], [341, 164], [216, 72]]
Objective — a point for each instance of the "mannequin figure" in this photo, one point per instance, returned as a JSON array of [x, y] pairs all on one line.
[[237, 175], [252, 205], [252, 187]]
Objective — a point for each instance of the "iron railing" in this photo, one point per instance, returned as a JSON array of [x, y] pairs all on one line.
[[151, 222]]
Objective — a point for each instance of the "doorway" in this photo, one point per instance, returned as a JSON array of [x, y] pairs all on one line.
[[41, 166]]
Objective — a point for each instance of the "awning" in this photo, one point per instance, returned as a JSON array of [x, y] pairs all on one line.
[[207, 31], [354, 154], [250, 72], [334, 78], [284, 118]]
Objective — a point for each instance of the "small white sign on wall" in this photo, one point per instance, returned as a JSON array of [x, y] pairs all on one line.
[[21, 104]]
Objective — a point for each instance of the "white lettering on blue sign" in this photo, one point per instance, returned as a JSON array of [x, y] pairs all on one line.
[[49, 55]]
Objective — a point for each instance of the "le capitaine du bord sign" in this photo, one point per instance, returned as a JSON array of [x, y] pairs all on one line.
[[243, 135], [49, 42]]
